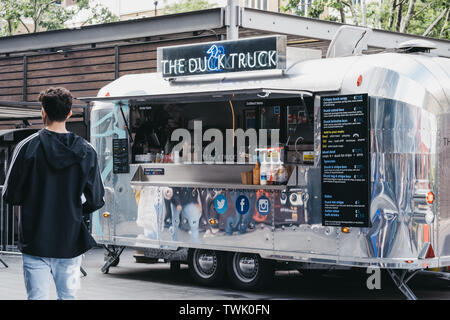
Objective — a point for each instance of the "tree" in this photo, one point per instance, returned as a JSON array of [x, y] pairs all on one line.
[[421, 17], [405, 24], [42, 15], [187, 5], [429, 18], [317, 8], [435, 22]]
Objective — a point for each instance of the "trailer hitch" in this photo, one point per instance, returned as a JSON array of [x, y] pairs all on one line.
[[3, 262], [113, 253], [401, 281]]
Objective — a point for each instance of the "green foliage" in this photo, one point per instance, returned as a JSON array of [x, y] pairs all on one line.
[[316, 9], [426, 13], [379, 13], [338, 5], [41, 15], [293, 6], [188, 5]]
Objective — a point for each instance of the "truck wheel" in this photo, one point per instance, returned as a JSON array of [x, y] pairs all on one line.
[[207, 266], [248, 271]]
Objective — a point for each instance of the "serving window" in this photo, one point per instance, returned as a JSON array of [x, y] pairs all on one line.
[[289, 121]]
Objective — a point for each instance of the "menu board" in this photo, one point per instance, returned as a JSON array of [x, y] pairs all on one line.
[[120, 156], [345, 160]]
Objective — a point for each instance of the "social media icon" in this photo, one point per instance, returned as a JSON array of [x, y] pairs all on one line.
[[242, 204], [263, 205], [220, 204]]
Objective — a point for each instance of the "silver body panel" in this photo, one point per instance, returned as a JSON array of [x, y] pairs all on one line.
[[410, 120]]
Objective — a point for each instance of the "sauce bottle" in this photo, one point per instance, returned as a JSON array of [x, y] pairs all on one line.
[[263, 173], [256, 173]]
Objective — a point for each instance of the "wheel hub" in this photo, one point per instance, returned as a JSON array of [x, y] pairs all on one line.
[[246, 266], [205, 263]]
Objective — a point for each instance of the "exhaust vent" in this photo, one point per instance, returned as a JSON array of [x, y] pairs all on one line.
[[416, 46]]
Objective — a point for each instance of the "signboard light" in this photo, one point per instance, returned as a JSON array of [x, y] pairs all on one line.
[[252, 54]]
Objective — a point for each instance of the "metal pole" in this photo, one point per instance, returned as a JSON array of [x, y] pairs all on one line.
[[25, 79], [87, 120], [116, 62], [232, 15]]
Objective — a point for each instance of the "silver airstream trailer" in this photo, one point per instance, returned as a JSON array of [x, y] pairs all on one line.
[[364, 139]]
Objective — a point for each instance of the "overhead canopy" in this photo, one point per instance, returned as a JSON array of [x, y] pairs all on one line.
[[16, 110], [15, 135], [204, 96], [301, 79], [22, 110]]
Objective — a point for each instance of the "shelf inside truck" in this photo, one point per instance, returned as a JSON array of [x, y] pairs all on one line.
[[209, 185]]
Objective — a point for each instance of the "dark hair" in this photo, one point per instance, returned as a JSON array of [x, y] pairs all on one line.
[[57, 103]]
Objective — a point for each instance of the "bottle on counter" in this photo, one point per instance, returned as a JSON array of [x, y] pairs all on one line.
[[271, 180], [275, 175], [263, 173], [263, 179], [269, 173], [256, 174]]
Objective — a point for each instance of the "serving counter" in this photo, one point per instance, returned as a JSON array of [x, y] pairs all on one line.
[[210, 176]]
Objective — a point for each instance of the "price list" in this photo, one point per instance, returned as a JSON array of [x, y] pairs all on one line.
[[120, 156], [345, 160]]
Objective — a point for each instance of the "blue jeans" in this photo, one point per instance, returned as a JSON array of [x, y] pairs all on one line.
[[37, 272]]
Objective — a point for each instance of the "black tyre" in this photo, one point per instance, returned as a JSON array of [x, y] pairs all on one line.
[[207, 266], [248, 271]]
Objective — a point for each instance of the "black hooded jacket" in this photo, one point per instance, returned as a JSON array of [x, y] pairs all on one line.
[[48, 175]]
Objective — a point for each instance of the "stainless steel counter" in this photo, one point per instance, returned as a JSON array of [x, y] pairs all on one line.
[[211, 185], [213, 176]]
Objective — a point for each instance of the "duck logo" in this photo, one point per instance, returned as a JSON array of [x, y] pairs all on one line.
[[220, 204], [242, 204]]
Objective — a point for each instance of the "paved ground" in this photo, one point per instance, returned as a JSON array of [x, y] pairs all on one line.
[[138, 281]]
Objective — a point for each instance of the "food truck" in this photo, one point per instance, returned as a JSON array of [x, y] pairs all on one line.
[[348, 169]]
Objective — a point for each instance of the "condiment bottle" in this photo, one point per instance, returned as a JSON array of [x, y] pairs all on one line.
[[256, 173], [263, 179], [263, 173]]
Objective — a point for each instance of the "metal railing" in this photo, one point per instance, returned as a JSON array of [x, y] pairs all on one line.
[[9, 226]]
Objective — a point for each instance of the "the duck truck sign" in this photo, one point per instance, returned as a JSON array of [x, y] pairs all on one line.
[[264, 53]]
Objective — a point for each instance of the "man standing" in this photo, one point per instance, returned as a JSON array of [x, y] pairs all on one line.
[[49, 172]]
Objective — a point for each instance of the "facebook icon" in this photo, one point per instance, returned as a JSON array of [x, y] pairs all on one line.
[[242, 204]]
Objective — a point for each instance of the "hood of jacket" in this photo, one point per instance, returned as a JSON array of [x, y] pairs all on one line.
[[62, 150]]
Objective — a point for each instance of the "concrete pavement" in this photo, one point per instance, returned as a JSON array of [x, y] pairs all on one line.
[[140, 281]]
